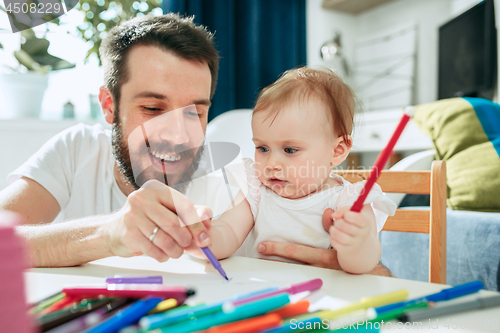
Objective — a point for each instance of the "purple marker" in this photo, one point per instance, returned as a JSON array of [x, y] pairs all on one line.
[[213, 260], [135, 280]]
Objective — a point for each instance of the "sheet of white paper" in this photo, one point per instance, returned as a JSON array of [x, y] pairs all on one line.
[[210, 287]]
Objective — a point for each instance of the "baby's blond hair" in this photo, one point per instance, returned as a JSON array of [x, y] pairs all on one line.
[[302, 83]]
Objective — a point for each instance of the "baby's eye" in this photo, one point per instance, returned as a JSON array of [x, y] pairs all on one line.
[[262, 149], [290, 150]]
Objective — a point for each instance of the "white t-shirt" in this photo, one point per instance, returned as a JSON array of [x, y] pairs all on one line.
[[76, 167], [299, 221]]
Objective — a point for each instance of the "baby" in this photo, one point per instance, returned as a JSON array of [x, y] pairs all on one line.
[[301, 129]]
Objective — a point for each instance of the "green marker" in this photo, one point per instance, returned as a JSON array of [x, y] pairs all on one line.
[[248, 310], [45, 303]]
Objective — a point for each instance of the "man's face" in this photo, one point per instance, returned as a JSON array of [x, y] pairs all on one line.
[[162, 117]]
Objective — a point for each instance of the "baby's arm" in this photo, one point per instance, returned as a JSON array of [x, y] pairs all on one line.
[[354, 236], [228, 232]]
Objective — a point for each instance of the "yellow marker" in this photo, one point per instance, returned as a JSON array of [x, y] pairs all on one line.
[[165, 305], [365, 303]]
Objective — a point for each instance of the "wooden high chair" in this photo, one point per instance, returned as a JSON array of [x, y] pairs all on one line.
[[432, 222]]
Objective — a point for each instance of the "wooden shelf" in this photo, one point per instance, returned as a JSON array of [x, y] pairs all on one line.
[[352, 6]]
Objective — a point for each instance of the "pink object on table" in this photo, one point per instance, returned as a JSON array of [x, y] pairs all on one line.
[[13, 307], [310, 285]]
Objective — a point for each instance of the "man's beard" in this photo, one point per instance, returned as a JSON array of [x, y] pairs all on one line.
[[122, 156]]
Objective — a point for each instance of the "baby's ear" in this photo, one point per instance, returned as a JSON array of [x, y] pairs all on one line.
[[341, 149]]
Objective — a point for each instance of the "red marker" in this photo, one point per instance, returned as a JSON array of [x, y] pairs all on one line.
[[180, 293], [381, 161]]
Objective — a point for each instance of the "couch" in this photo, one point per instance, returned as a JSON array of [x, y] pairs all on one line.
[[473, 250], [466, 134]]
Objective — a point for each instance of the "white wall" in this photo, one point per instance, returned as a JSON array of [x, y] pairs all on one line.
[[429, 15], [321, 25]]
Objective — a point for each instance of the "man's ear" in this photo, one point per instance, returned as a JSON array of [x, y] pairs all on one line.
[[340, 150], [107, 104]]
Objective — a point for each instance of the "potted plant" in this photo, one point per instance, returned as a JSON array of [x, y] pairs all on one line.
[[24, 85]]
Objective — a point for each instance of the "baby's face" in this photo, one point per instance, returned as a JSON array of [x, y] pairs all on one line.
[[293, 152]]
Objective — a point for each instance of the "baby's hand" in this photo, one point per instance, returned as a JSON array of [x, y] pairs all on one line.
[[351, 229], [205, 213]]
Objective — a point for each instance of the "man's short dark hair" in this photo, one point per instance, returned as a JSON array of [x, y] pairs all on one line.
[[170, 32]]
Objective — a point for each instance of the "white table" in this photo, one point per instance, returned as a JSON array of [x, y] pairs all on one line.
[[42, 282]]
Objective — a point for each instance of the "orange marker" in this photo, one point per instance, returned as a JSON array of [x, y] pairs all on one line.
[[262, 322], [251, 325], [292, 310]]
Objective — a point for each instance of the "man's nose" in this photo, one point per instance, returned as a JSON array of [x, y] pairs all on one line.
[[174, 130]]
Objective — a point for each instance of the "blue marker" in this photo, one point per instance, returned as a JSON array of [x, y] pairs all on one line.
[[443, 295], [126, 317]]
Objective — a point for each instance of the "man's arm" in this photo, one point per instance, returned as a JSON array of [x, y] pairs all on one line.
[[63, 244], [313, 256], [31, 200], [124, 233]]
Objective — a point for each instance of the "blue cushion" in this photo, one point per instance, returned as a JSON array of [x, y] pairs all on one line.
[[473, 250]]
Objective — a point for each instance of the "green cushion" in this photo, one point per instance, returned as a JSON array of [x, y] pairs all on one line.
[[466, 134]]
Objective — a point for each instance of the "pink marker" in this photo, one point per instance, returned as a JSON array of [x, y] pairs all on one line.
[[292, 290]]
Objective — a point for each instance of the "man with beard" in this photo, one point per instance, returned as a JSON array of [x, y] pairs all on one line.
[[160, 76]]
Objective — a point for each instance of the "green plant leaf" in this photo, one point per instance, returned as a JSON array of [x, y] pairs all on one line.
[[34, 54], [34, 45], [99, 17], [62, 64], [27, 61], [52, 61]]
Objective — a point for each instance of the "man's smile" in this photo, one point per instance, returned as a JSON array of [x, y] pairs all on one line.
[[167, 157], [168, 163]]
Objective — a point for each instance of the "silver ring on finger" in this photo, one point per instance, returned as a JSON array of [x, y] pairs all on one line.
[[153, 235]]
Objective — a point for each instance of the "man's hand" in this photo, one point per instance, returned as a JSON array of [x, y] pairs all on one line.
[[306, 254], [312, 256], [131, 230]]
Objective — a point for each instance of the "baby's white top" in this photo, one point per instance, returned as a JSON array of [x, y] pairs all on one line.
[[299, 221]]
